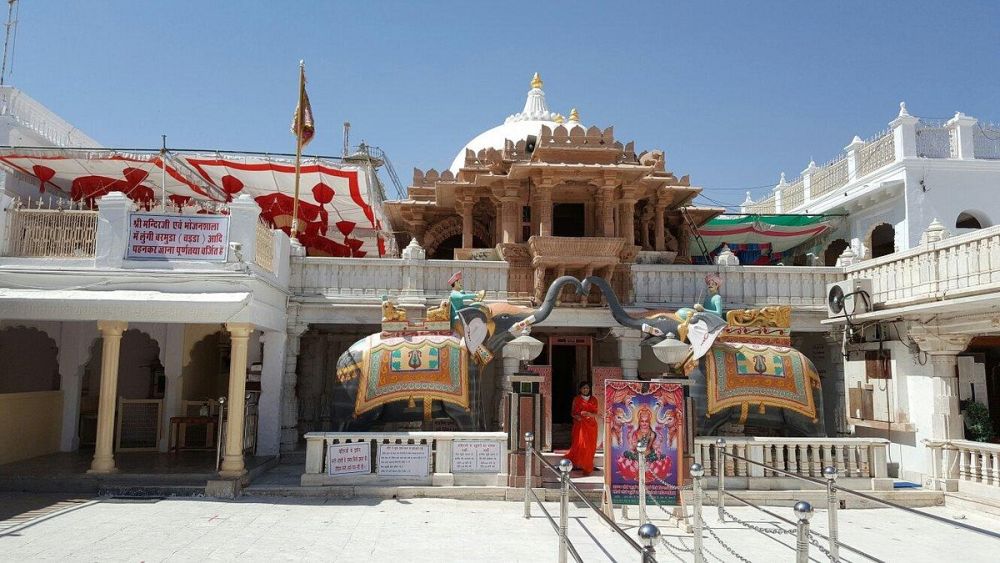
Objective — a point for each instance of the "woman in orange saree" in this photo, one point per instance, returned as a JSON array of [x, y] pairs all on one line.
[[581, 451]]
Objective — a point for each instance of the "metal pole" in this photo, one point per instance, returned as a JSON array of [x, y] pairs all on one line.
[[648, 534], [830, 473], [720, 473], [697, 471], [218, 438], [565, 466], [803, 511], [641, 449], [163, 175], [529, 439]]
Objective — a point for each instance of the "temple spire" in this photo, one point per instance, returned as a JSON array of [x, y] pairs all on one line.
[[536, 82]]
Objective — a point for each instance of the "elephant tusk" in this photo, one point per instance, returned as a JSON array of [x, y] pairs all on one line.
[[652, 330]]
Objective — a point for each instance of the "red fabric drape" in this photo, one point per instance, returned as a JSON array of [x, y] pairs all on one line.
[[581, 452]]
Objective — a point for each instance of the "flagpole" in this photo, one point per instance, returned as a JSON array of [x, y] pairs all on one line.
[[299, 118]]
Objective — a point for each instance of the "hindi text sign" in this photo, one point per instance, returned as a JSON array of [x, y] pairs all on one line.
[[177, 237], [475, 456], [403, 460], [349, 459]]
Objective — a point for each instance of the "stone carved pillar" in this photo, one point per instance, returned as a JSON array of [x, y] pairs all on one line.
[[464, 208], [629, 350], [233, 466], [946, 418], [626, 215], [111, 340], [542, 208], [289, 399], [605, 208], [511, 218], [659, 226]]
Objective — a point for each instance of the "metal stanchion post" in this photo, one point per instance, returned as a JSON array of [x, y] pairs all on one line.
[[697, 472], [641, 449], [830, 472], [803, 511], [720, 472], [565, 466], [529, 440], [648, 534]]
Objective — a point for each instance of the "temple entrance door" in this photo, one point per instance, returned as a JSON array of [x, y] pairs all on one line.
[[571, 364]]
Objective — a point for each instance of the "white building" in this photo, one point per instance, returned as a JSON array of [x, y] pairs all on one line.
[[892, 186]]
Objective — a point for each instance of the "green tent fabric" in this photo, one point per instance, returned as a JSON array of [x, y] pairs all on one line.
[[781, 231]]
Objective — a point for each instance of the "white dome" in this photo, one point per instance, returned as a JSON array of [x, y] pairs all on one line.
[[494, 138], [516, 127]]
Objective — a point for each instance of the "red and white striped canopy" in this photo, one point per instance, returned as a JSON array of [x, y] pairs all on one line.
[[340, 210]]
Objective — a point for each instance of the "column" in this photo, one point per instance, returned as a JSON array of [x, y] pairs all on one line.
[[289, 400], [511, 218], [626, 215], [171, 353], [629, 350], [232, 460], [605, 209], [464, 208], [542, 209], [962, 131], [273, 369], [660, 242], [946, 418], [111, 340], [504, 387], [904, 133]]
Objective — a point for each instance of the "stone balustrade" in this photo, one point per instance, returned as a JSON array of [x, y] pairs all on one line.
[[860, 462], [744, 286], [444, 466], [965, 466], [954, 267], [360, 278]]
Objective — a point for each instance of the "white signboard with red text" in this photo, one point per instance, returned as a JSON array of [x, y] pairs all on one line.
[[177, 237]]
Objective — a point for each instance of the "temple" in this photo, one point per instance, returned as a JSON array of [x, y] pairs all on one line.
[[552, 197]]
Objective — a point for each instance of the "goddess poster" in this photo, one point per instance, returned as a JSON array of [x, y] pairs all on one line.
[[636, 411]]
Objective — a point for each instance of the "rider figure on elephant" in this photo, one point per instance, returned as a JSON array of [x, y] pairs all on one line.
[[459, 299], [712, 302]]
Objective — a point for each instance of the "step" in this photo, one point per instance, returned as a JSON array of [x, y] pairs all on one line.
[[965, 501], [150, 491]]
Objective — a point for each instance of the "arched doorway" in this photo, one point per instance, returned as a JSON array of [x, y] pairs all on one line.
[[140, 378], [30, 361], [971, 220], [833, 251], [446, 249], [882, 240]]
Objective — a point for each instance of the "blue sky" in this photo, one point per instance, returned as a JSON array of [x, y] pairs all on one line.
[[734, 92]]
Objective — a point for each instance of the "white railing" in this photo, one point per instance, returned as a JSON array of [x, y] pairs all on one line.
[[442, 469], [934, 140], [975, 465], [743, 286], [862, 459], [763, 207], [50, 233], [875, 154], [34, 116], [986, 141], [375, 277], [265, 247], [954, 267], [827, 178]]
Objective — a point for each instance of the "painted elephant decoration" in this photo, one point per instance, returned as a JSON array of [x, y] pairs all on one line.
[[382, 377], [764, 386]]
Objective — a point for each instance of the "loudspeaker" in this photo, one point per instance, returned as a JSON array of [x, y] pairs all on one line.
[[529, 144]]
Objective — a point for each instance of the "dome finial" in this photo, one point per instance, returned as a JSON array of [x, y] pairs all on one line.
[[558, 118], [574, 115], [536, 82]]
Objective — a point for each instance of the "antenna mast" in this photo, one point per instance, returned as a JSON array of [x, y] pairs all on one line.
[[347, 135], [11, 30]]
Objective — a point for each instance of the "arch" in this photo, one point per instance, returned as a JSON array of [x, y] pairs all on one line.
[[450, 227], [881, 240], [833, 251], [205, 370], [970, 219], [30, 360], [140, 373]]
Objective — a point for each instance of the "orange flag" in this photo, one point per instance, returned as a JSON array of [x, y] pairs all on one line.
[[306, 130]]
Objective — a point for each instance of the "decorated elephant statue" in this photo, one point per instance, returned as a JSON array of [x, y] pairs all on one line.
[[383, 376], [737, 376]]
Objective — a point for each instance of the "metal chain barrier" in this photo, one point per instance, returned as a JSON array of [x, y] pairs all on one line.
[[761, 529], [724, 545]]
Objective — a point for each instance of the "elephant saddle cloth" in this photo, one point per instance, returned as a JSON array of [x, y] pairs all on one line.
[[758, 375], [423, 367]]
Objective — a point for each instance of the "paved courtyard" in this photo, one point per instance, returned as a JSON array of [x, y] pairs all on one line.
[[285, 529]]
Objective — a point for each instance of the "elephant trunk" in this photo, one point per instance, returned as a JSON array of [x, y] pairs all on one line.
[[617, 311]]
